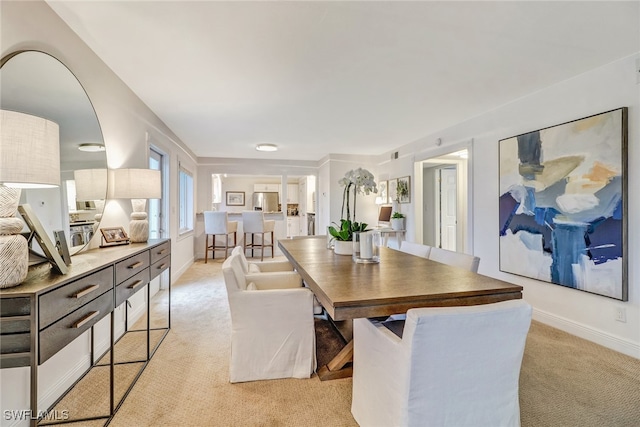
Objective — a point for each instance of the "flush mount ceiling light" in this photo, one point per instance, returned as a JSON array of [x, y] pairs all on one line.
[[267, 147], [91, 147]]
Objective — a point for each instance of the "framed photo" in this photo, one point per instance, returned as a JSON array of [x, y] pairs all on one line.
[[37, 231], [114, 235], [61, 246], [403, 189], [392, 190], [563, 204], [383, 193], [235, 198]]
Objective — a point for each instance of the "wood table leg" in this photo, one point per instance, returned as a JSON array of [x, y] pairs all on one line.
[[336, 368]]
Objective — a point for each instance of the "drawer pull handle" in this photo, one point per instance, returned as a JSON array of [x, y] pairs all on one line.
[[85, 291], [161, 267], [85, 319], [162, 251], [136, 265], [136, 284]]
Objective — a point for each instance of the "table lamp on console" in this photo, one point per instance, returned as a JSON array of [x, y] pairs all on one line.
[[29, 158], [137, 185]]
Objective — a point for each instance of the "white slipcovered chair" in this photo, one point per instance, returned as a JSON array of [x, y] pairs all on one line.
[[253, 267], [262, 266], [218, 224], [416, 249], [253, 223], [455, 259], [272, 325], [453, 366]]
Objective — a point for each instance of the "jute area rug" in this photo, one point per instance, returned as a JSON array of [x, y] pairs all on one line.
[[565, 381]]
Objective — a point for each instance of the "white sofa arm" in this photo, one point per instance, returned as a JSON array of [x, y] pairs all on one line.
[[275, 280], [268, 266]]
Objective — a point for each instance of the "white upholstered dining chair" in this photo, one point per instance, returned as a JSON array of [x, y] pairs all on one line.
[[455, 259], [260, 266], [453, 366], [416, 249], [272, 325]]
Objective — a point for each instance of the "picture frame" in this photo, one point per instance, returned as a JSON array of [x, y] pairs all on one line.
[[383, 191], [403, 189], [38, 232], [392, 190], [115, 235], [61, 246], [563, 204], [235, 198]]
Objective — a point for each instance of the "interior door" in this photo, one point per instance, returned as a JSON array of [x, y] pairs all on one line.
[[448, 207]]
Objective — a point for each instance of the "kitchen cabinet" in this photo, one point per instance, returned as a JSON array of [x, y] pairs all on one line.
[[266, 187], [293, 226]]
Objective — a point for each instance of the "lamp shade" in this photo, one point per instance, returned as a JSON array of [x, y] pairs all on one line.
[[136, 184], [29, 151], [91, 184]]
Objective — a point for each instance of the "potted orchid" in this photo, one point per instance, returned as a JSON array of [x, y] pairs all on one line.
[[354, 182]]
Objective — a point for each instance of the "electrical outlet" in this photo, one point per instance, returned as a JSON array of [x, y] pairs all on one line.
[[621, 314]]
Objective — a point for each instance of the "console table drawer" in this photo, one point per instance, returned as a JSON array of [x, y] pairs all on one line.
[[131, 266], [160, 266], [16, 343], [62, 301], [61, 333], [160, 251], [130, 286]]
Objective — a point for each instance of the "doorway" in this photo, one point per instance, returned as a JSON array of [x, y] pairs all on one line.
[[443, 213]]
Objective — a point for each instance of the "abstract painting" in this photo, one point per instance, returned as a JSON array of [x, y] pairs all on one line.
[[563, 192]]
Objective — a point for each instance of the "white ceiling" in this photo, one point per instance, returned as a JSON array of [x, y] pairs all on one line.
[[341, 77]]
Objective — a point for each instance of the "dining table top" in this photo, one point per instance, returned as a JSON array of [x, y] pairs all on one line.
[[400, 281]]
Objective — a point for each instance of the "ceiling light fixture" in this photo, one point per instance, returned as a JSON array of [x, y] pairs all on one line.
[[91, 147], [267, 147]]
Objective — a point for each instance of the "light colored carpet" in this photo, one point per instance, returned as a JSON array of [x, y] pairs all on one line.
[[565, 381]]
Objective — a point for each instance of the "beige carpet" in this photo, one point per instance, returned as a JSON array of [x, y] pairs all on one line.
[[565, 381]]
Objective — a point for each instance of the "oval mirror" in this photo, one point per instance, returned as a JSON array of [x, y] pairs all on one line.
[[36, 83]]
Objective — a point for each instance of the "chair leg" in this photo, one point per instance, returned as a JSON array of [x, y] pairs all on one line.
[[262, 248], [206, 247], [272, 244], [226, 246]]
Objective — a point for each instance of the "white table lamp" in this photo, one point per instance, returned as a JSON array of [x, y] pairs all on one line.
[[29, 158], [91, 184], [137, 185]]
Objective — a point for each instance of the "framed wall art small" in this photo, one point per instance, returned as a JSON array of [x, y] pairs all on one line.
[[235, 198]]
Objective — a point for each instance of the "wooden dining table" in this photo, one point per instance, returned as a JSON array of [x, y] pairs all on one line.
[[348, 290]]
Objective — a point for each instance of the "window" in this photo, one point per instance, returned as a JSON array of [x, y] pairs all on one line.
[[216, 188], [185, 194]]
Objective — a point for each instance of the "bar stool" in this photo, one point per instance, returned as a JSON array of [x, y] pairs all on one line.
[[253, 223], [218, 224]]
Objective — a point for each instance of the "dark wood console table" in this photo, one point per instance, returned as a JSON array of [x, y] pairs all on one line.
[[47, 311]]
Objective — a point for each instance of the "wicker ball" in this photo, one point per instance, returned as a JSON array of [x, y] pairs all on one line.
[[9, 199], [10, 226], [14, 260]]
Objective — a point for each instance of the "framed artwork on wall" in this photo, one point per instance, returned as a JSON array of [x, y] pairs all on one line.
[[392, 190], [404, 190], [383, 192], [563, 204], [235, 198]]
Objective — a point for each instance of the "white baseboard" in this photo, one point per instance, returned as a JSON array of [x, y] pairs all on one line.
[[56, 390], [177, 272], [614, 343]]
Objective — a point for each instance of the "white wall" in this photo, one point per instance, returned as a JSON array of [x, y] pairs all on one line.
[[128, 127], [603, 89]]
